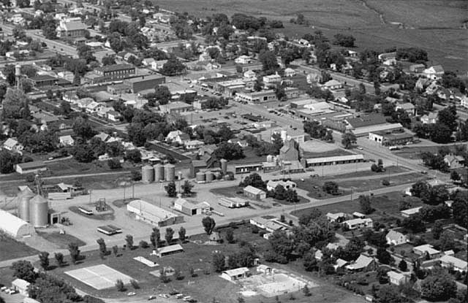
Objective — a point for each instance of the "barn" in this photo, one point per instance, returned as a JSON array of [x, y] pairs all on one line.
[[191, 209], [14, 226]]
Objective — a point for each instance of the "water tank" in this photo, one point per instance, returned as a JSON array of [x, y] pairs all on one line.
[[39, 211], [284, 135], [200, 176], [18, 70], [270, 158], [223, 165], [147, 174], [169, 172], [209, 176], [24, 198], [158, 172]]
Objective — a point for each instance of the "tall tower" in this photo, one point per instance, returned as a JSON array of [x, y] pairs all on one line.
[[18, 76]]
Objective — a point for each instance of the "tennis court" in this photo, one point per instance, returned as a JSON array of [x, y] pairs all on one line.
[[99, 276]]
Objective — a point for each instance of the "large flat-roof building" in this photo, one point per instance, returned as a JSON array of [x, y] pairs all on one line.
[[30, 167], [142, 83], [111, 73], [153, 214], [175, 107], [391, 139]]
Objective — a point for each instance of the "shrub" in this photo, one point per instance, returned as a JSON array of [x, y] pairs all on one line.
[[144, 244], [135, 284], [255, 229], [385, 182], [120, 285]]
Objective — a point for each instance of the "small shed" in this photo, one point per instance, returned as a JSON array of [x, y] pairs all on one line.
[[21, 286], [254, 193], [171, 249], [235, 274]]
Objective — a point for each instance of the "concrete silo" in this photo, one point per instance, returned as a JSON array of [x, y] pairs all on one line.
[[209, 176], [39, 211], [223, 165], [200, 177], [147, 174], [158, 172], [169, 172], [24, 198]]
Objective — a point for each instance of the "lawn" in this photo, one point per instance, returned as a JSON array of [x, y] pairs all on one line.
[[375, 183], [314, 188], [61, 240], [12, 249], [388, 170], [234, 191], [387, 204]]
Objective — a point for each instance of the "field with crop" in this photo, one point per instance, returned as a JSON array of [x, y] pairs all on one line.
[[434, 25]]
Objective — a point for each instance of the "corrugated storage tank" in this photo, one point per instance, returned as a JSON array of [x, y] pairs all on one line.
[[169, 172], [24, 198], [147, 174], [158, 172], [209, 176], [223, 165], [200, 176], [39, 211]]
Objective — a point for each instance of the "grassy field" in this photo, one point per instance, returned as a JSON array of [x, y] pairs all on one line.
[[376, 181], [414, 152], [383, 204], [12, 249], [314, 188], [433, 25], [388, 170], [61, 240]]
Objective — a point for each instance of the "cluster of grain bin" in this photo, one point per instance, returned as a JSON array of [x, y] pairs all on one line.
[[272, 159], [158, 173], [33, 208]]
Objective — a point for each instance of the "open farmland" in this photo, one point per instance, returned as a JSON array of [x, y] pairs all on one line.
[[434, 25]]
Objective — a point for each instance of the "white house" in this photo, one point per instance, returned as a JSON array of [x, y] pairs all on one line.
[[66, 140], [21, 286], [395, 238], [243, 60], [93, 107], [336, 217], [271, 185], [289, 72], [358, 223], [272, 79], [114, 115], [332, 85], [397, 278], [454, 263], [434, 72], [193, 144], [12, 145], [426, 249], [431, 118], [177, 136]]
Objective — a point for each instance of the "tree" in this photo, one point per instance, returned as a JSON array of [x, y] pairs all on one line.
[[460, 209], [44, 259], [133, 156], [229, 151], [447, 240], [169, 235], [402, 265], [172, 67], [119, 285], [59, 259], [7, 162], [219, 263], [209, 225], [115, 250], [330, 187], [182, 234], [344, 40], [74, 252], [171, 189], [365, 203], [348, 140], [129, 241], [437, 229], [187, 188], [102, 245], [438, 287], [108, 60], [448, 116], [230, 235], [389, 294], [24, 270], [49, 28], [269, 61], [162, 94], [384, 256], [82, 128]]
